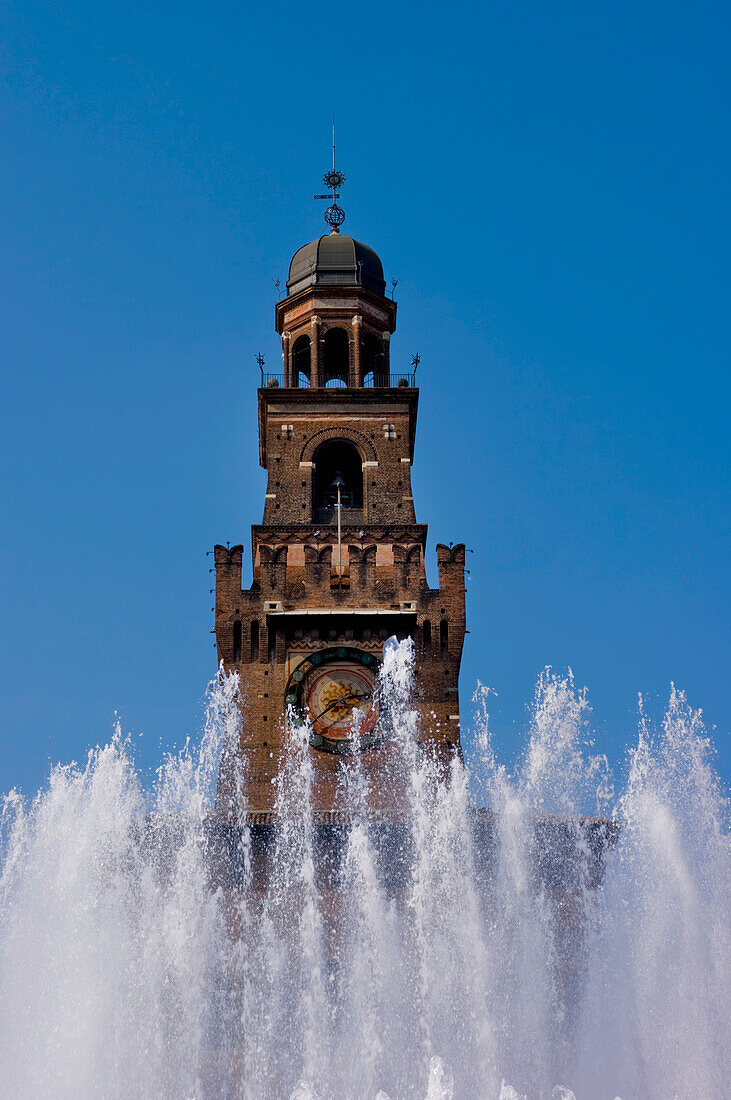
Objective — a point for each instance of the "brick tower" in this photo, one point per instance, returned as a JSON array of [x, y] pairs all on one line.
[[338, 561]]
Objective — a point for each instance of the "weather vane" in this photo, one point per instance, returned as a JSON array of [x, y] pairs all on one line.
[[334, 179]]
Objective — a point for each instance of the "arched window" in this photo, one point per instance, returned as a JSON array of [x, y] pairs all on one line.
[[301, 373], [369, 359], [373, 361], [336, 358], [237, 641], [255, 640], [337, 457], [444, 635], [426, 634]]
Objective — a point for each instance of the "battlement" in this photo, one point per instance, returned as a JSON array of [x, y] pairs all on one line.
[[303, 579]]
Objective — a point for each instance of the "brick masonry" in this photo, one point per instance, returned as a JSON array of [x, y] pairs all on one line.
[[301, 601]]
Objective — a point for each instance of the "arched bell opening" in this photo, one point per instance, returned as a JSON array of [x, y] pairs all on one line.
[[337, 464], [336, 358], [369, 359], [301, 362]]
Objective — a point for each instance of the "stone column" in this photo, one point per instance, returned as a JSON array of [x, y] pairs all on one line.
[[315, 352], [287, 358], [357, 368]]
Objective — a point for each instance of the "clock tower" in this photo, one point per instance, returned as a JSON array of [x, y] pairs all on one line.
[[339, 558]]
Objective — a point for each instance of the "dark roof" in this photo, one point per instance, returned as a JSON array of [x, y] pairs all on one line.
[[336, 260]]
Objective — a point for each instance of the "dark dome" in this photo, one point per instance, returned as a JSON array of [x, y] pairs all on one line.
[[336, 260]]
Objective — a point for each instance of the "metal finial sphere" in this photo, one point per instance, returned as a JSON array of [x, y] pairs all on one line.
[[333, 179], [334, 216]]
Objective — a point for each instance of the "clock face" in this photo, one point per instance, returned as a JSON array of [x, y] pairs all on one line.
[[335, 693], [335, 689]]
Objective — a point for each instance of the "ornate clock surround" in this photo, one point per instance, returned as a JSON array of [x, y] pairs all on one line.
[[340, 677]]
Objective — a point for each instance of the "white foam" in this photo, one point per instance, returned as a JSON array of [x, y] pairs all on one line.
[[125, 973]]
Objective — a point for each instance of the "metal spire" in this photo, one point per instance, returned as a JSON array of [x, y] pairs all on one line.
[[334, 179]]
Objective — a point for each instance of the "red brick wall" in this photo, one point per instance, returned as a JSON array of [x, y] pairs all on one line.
[[294, 569]]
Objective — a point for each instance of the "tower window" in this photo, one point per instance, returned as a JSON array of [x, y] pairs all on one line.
[[389, 432], [301, 373], [336, 358], [426, 633], [444, 635], [337, 457], [237, 641], [372, 361], [255, 640]]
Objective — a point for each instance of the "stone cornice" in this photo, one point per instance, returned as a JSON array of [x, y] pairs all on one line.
[[338, 298]]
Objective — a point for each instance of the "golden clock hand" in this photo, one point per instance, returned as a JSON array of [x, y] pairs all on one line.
[[343, 699]]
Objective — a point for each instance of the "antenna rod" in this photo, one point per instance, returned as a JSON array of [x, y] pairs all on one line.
[[340, 544], [334, 215]]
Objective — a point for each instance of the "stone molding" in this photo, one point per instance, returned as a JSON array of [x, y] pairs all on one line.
[[358, 439]]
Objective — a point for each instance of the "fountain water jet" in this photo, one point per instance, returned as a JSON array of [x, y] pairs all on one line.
[[151, 946]]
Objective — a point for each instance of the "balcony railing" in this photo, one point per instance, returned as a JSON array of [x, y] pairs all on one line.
[[388, 381]]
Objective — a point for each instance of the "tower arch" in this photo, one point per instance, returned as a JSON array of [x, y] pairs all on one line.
[[360, 441], [336, 459], [302, 362], [373, 360], [336, 357]]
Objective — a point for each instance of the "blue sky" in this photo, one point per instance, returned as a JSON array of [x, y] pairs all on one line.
[[549, 185]]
